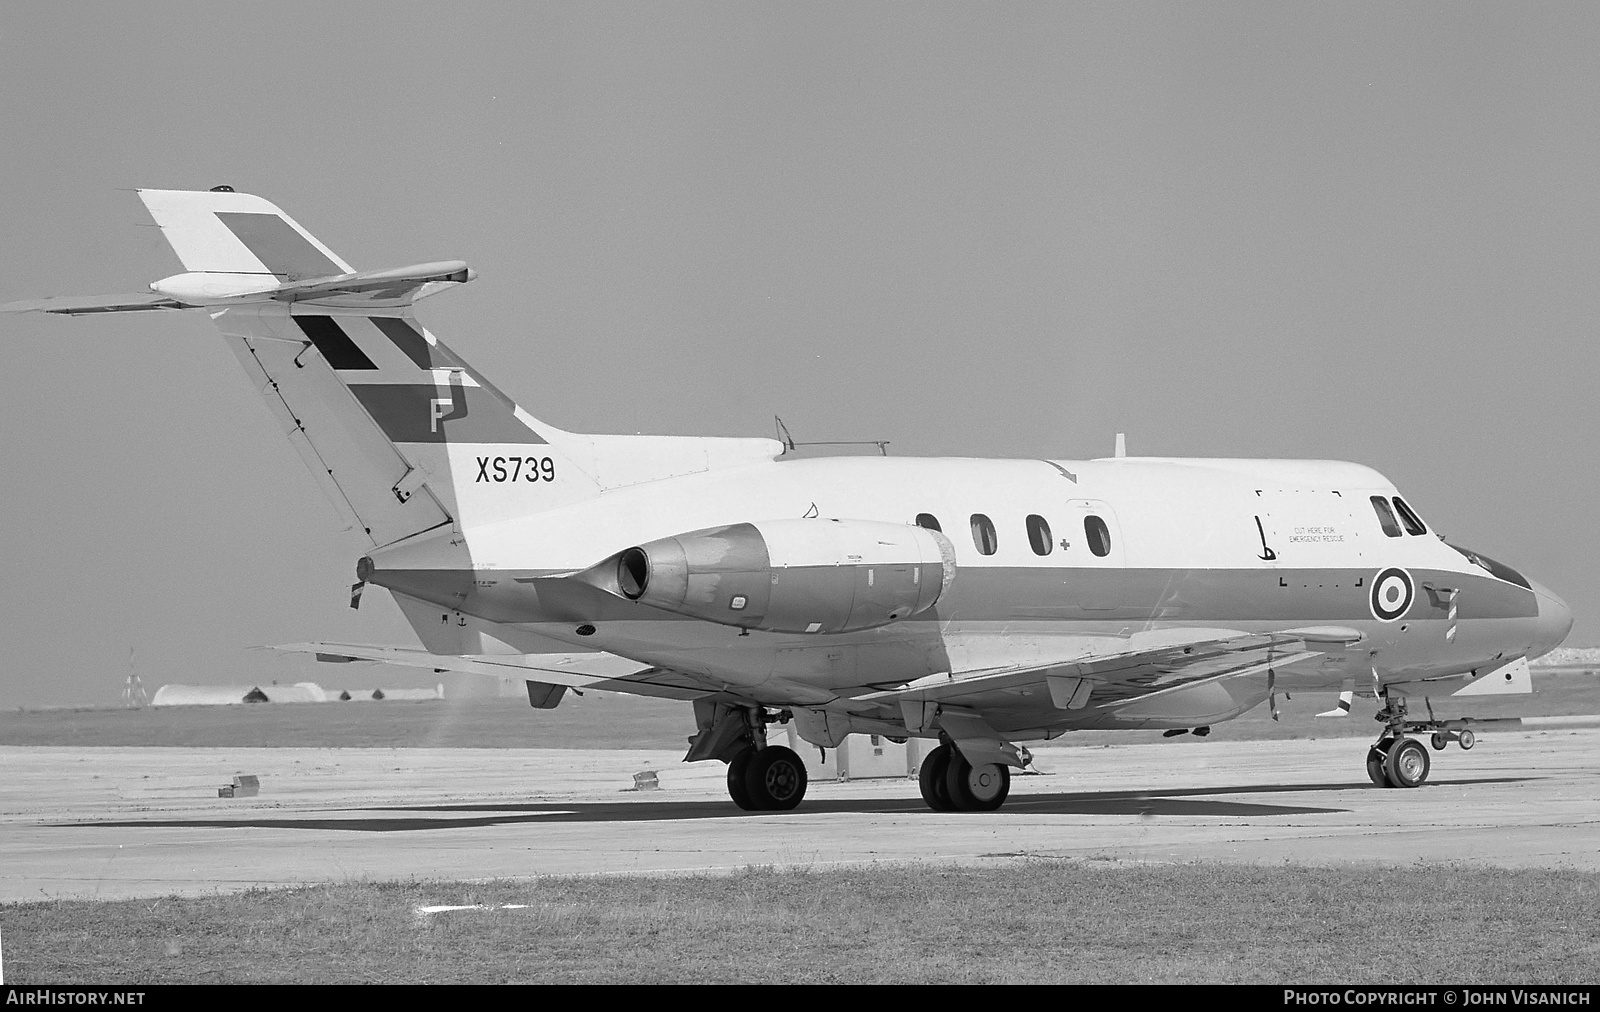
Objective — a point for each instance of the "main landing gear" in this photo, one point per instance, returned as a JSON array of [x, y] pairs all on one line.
[[1395, 760], [769, 779], [951, 784], [761, 777]]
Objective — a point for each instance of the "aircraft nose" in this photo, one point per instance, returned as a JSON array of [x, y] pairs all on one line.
[[1553, 624]]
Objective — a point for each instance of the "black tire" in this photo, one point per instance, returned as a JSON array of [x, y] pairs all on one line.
[[775, 779], [931, 779], [737, 768], [981, 788], [1407, 763], [1439, 741], [1375, 757], [1467, 740]]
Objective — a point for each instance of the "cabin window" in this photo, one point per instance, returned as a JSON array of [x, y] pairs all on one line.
[[983, 535], [1099, 535], [1385, 516], [1411, 520], [929, 521], [1039, 534]]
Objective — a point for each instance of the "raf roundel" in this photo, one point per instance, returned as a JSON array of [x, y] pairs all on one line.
[[1391, 594]]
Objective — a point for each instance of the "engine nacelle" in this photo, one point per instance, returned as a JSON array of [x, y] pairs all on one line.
[[792, 576]]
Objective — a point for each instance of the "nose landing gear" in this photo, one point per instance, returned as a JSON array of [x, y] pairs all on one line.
[[1407, 763], [1441, 739], [1395, 760]]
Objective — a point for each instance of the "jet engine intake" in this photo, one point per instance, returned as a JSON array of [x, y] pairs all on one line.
[[790, 576]]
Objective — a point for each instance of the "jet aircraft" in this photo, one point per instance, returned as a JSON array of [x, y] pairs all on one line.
[[981, 603]]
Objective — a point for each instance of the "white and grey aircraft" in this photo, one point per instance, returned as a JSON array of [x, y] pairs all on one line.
[[978, 602]]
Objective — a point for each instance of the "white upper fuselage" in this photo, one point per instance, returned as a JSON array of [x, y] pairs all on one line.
[[1196, 548]]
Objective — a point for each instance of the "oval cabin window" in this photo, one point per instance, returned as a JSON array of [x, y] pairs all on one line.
[[983, 536], [1039, 534], [1099, 535], [929, 521]]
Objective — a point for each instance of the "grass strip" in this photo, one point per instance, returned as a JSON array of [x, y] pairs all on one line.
[[1029, 922]]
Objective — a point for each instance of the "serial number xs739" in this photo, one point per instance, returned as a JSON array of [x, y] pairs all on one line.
[[516, 469]]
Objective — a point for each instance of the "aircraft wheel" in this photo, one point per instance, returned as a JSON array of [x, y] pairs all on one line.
[[930, 778], [1438, 741], [1375, 757], [981, 788], [1407, 763], [775, 779], [736, 771], [1467, 740]]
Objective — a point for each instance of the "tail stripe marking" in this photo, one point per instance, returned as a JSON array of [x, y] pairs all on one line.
[[334, 343], [419, 413], [284, 251], [409, 340]]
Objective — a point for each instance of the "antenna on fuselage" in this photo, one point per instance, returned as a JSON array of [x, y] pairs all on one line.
[[1122, 446]]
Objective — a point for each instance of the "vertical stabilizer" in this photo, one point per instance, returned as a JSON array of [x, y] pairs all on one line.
[[401, 433]]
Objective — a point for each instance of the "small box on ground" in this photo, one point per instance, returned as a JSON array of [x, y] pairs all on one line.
[[242, 787]]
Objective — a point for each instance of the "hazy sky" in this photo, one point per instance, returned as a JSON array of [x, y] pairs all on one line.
[[1359, 231]]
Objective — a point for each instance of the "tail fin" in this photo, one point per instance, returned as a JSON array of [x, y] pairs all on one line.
[[403, 436], [406, 435], [223, 232]]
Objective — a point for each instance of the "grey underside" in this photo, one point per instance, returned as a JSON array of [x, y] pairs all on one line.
[[1051, 604]]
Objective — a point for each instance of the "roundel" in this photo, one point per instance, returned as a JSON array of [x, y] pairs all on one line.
[[1391, 594]]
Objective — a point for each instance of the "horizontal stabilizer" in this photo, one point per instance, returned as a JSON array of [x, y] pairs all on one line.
[[398, 286], [79, 305], [397, 283]]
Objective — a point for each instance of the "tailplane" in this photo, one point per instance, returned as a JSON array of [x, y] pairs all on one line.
[[402, 434]]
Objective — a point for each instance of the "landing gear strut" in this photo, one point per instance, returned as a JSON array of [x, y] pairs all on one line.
[[950, 783], [1395, 760]]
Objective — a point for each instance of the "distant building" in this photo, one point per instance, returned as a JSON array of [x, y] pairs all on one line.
[[300, 692], [201, 695]]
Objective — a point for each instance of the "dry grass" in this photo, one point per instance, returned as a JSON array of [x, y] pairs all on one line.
[[1029, 922]]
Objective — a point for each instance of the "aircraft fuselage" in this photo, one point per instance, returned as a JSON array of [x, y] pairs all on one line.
[[1052, 559]]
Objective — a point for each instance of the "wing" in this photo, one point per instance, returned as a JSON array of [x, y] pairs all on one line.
[[606, 672], [1014, 697]]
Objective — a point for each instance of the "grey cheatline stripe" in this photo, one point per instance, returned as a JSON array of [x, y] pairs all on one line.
[[334, 343], [1070, 594], [284, 251], [425, 413], [410, 340]]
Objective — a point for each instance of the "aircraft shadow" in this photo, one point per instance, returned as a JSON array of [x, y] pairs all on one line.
[[1189, 803]]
